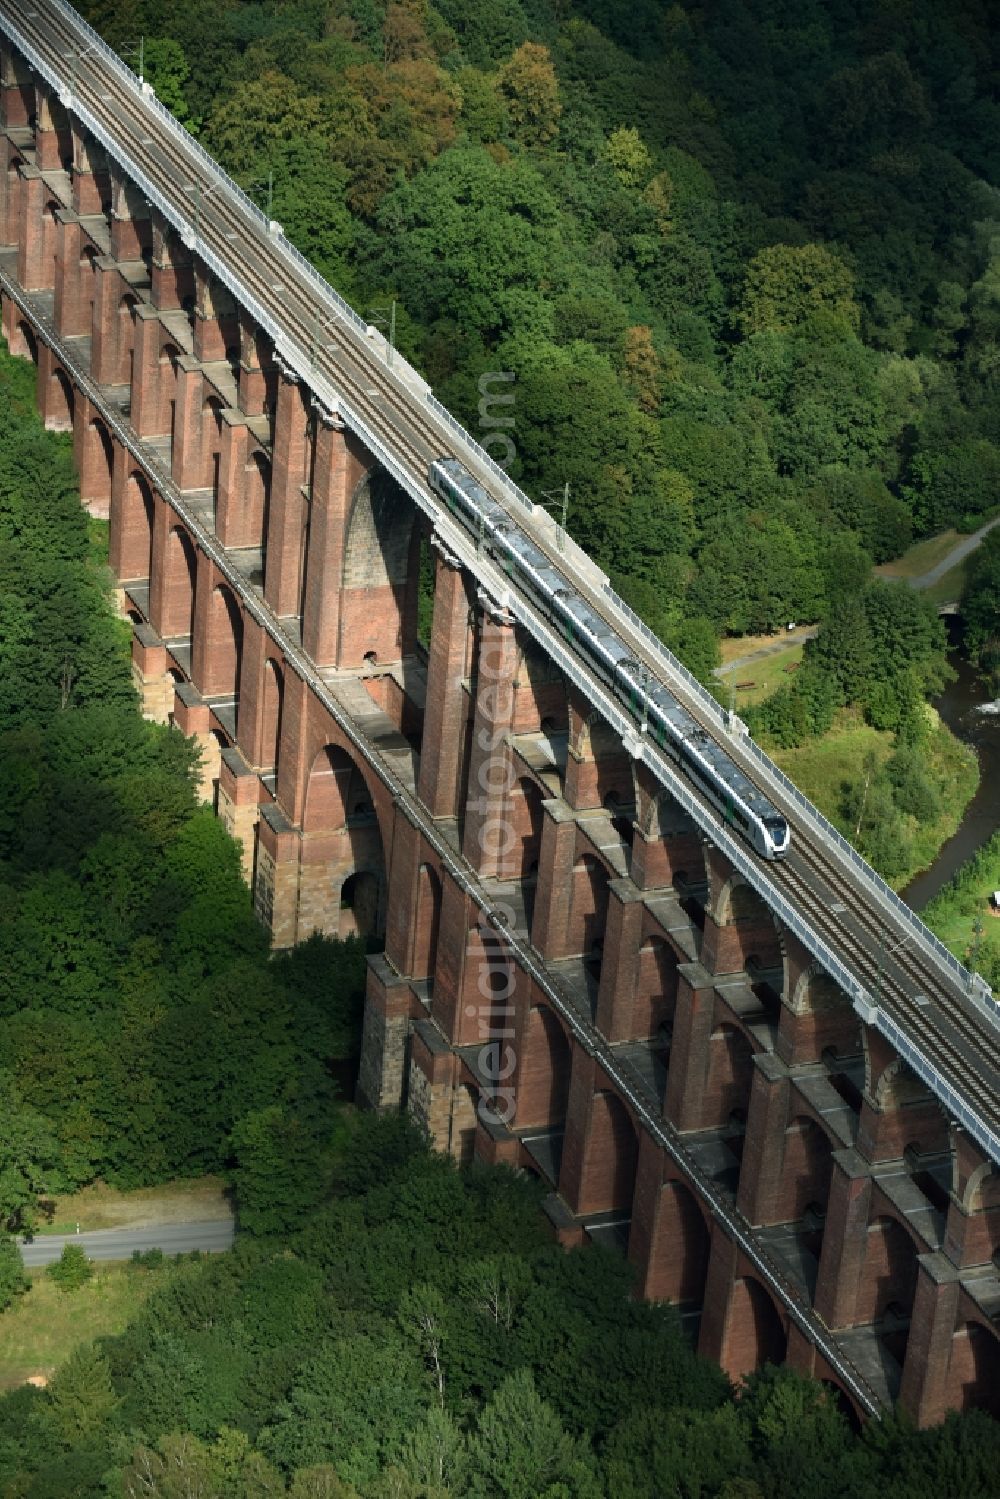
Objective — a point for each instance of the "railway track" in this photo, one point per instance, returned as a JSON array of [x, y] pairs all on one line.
[[912, 982]]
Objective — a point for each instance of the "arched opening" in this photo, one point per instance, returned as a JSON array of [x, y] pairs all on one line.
[[271, 710], [805, 1175], [747, 936], [427, 922], [223, 656], [342, 862], [730, 1073], [167, 386], [359, 905], [96, 468], [257, 487], [888, 1284], [611, 1151], [975, 1369], [25, 344], [379, 605], [334, 785], [530, 819], [132, 531], [44, 269], [211, 425], [543, 1069], [655, 989], [679, 1254], [180, 569], [61, 402], [588, 911], [621, 810], [756, 1334], [125, 338]]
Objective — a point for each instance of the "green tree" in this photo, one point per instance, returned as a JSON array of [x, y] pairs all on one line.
[[72, 1269], [787, 285], [13, 1277], [280, 1174]]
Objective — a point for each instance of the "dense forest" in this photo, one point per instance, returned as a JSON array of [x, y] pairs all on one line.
[[420, 1338], [143, 1025], [743, 259]]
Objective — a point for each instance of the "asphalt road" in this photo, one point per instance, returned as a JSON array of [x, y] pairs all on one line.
[[118, 1243], [958, 553]]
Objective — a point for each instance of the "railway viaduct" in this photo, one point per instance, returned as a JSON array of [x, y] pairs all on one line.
[[765, 1084]]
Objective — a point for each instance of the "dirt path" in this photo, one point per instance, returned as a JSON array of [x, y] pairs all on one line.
[[776, 646], [958, 554]]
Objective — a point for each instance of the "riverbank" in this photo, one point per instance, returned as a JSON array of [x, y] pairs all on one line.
[[832, 771], [964, 917]]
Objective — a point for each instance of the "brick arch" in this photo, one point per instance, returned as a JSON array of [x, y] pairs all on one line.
[[974, 1369], [888, 1282], [96, 460], [167, 385], [379, 534], [43, 268], [132, 529], [679, 1253], [256, 500], [125, 337], [588, 906], [598, 765], [342, 868], [59, 401], [362, 904], [222, 655], [334, 788], [655, 987], [756, 1334], [748, 932], [24, 344], [529, 816], [426, 922], [272, 705], [610, 1155], [543, 1069], [730, 1073], [807, 1166], [177, 584], [211, 427]]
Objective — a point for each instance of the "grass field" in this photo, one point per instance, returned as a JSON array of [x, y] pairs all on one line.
[[41, 1329], [820, 767], [767, 675], [965, 903], [920, 557], [197, 1201]]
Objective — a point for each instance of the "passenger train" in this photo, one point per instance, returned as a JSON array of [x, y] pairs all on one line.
[[655, 708]]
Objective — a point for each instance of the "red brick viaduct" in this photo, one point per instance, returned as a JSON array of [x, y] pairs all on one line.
[[640, 1032]]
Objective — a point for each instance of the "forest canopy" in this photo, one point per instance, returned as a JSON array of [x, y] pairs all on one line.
[[744, 259]]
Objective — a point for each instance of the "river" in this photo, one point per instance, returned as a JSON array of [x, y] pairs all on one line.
[[961, 706]]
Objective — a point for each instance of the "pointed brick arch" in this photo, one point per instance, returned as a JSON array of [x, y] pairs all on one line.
[[272, 705], [379, 573], [756, 1334], [222, 653], [543, 1071], [974, 1373], [342, 875], [588, 910], [180, 573], [131, 540], [679, 1252]]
